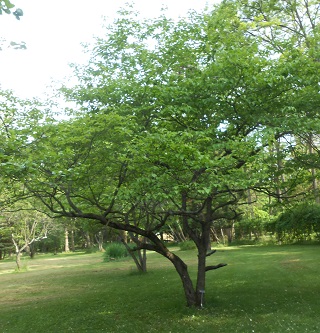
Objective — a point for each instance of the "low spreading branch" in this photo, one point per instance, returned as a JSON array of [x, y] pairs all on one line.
[[210, 268], [210, 253]]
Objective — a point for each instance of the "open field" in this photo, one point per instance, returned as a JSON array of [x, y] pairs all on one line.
[[262, 290]]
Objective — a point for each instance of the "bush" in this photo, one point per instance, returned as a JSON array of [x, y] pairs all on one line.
[[187, 245], [247, 228], [115, 251], [300, 223], [92, 249]]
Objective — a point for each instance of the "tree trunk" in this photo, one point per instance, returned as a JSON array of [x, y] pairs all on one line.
[[32, 250], [201, 278], [18, 260], [66, 240], [88, 240], [124, 235], [230, 232], [144, 260], [138, 256], [313, 171], [223, 236], [215, 235], [155, 244], [99, 239], [182, 270], [203, 248], [72, 241]]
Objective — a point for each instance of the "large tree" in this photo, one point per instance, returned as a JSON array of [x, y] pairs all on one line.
[[174, 123]]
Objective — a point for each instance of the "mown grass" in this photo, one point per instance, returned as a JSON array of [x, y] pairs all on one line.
[[263, 289]]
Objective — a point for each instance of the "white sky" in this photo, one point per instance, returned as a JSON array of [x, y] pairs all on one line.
[[53, 31]]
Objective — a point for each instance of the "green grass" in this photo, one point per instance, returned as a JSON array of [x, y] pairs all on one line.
[[262, 290]]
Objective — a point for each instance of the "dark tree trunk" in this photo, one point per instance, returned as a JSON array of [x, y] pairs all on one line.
[[142, 258], [201, 242], [182, 270], [201, 278], [203, 248], [32, 250]]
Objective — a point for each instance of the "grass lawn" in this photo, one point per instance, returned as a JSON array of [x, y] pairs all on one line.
[[262, 290]]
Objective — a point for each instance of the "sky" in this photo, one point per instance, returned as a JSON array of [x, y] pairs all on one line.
[[54, 30]]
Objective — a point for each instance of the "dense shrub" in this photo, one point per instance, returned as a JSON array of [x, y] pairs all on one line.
[[92, 249], [299, 223], [115, 251], [249, 228], [187, 245]]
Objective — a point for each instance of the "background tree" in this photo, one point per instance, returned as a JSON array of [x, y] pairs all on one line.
[[26, 228], [291, 30]]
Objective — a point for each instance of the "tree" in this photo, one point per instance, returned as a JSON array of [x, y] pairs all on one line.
[[26, 228], [175, 114]]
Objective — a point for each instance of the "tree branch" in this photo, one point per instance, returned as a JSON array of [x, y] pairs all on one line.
[[210, 253], [210, 268]]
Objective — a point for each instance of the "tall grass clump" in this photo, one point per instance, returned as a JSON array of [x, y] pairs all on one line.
[[115, 251]]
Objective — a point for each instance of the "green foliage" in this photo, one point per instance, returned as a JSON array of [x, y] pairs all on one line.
[[93, 249], [169, 108], [5, 6], [299, 223], [250, 228], [52, 244], [187, 245], [114, 251], [6, 245]]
